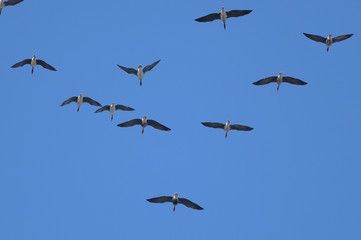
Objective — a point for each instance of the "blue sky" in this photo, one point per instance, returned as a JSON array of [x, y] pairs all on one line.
[[69, 175]]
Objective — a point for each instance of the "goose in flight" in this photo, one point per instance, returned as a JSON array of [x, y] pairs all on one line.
[[33, 62], [140, 71], [329, 40], [112, 108], [175, 200], [144, 122], [4, 3], [279, 80], [227, 127], [223, 15], [80, 100]]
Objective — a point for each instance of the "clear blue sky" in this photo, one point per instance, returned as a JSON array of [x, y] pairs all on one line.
[[69, 175]]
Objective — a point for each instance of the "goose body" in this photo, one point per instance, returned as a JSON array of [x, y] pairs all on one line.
[[143, 123], [329, 40], [80, 100], [112, 108], [175, 200], [227, 127], [33, 62], [140, 71], [279, 80]]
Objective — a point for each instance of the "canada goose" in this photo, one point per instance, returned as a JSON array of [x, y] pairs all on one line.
[[223, 15], [4, 3], [175, 200], [144, 122], [279, 80], [329, 40], [33, 62], [112, 108], [140, 71], [227, 127], [80, 100]]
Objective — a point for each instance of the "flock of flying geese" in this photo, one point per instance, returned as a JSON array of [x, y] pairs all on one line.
[[140, 71]]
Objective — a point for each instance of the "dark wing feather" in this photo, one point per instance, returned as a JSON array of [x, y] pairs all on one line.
[[266, 80], [238, 13], [150, 67], [45, 65], [124, 108], [128, 70], [22, 63], [189, 204], [157, 125], [12, 2], [102, 109], [160, 199], [341, 38], [131, 123], [294, 81], [209, 17], [240, 127], [91, 101], [315, 38], [213, 124], [72, 99]]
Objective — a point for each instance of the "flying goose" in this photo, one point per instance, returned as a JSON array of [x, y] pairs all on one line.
[[175, 200], [223, 15], [227, 127], [4, 3], [279, 80], [140, 71], [80, 100], [112, 108], [33, 62], [144, 122], [329, 40]]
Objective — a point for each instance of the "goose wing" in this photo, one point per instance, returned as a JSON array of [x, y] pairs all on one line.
[[213, 124], [157, 125], [123, 108], [240, 127], [294, 81], [128, 70], [150, 67], [12, 2], [72, 99], [102, 109], [189, 203], [315, 37], [91, 101], [130, 123], [341, 38], [238, 13], [22, 63], [266, 80], [162, 199], [209, 17], [45, 65]]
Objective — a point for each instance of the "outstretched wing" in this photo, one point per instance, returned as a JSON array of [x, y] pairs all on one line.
[[150, 67], [294, 81], [189, 204], [213, 124], [128, 70], [341, 38], [238, 13], [91, 101], [240, 127], [102, 109], [315, 38], [157, 125], [209, 17], [130, 123], [160, 199], [12, 2], [45, 65], [124, 108], [72, 99], [22, 63], [266, 80]]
